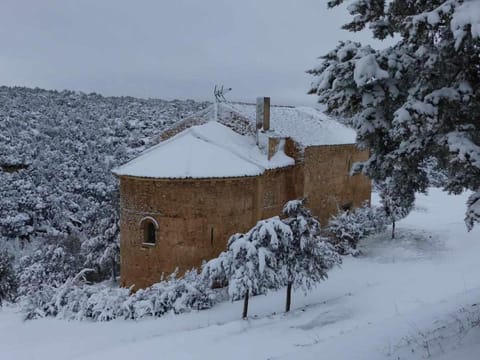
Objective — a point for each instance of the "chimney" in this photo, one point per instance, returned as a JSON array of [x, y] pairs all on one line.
[[263, 113], [273, 146]]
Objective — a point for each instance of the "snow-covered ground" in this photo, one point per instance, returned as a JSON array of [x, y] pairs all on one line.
[[411, 298]]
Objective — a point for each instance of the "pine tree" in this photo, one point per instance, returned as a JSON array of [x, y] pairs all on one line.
[[307, 257], [255, 267], [416, 100], [102, 251], [250, 264], [396, 203]]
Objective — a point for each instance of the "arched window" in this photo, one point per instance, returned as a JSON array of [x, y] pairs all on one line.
[[150, 229]]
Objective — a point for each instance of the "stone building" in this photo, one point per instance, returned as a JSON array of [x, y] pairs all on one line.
[[221, 170]]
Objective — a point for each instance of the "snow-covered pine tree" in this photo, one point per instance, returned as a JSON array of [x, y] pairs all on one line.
[[216, 272], [102, 252], [396, 203], [253, 267], [413, 101], [49, 266], [8, 279], [308, 256]]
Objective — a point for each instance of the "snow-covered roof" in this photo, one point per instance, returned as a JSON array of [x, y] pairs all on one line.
[[305, 125], [210, 150]]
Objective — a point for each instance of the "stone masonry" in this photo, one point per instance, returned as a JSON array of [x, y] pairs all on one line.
[[196, 217]]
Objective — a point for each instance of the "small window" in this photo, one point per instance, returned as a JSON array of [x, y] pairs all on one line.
[[150, 228], [347, 206]]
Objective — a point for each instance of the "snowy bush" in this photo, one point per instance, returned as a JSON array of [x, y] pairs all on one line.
[[49, 266], [76, 300], [8, 280], [348, 227]]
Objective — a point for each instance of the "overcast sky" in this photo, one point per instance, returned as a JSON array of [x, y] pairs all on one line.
[[169, 49]]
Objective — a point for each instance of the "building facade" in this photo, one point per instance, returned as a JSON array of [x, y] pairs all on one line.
[[213, 175]]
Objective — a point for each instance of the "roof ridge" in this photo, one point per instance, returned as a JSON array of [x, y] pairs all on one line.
[[204, 138], [254, 104], [153, 148]]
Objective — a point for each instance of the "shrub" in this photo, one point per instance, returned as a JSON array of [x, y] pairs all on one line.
[[348, 227], [76, 300]]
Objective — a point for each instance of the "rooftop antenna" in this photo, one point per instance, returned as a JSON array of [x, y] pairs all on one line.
[[219, 93]]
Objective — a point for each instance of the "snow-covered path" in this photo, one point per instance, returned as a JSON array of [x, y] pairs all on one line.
[[401, 300]]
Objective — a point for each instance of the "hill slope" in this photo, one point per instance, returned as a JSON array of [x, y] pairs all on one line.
[[56, 153]]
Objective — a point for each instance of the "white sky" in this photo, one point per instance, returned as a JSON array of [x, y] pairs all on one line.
[[169, 49]]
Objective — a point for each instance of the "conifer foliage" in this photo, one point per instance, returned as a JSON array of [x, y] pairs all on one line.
[[274, 254], [347, 228], [49, 267], [307, 256], [396, 204], [8, 280], [414, 101], [250, 264]]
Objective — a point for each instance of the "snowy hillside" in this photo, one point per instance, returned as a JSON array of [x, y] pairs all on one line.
[[413, 298], [57, 150]]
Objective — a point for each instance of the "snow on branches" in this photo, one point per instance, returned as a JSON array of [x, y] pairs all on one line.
[[307, 257], [254, 265], [250, 264], [273, 254], [349, 227], [57, 150], [77, 300], [416, 100]]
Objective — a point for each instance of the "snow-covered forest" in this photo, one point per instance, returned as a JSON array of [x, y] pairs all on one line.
[[58, 197]]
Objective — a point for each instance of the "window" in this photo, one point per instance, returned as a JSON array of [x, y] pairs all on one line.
[[347, 206], [150, 228]]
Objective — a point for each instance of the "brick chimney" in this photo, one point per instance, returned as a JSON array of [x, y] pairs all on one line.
[[263, 113]]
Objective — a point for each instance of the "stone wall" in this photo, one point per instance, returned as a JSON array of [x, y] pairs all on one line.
[[328, 186], [195, 217]]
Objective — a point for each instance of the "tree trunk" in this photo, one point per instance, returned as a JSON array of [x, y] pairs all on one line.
[[289, 296], [114, 271], [393, 229], [245, 306]]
